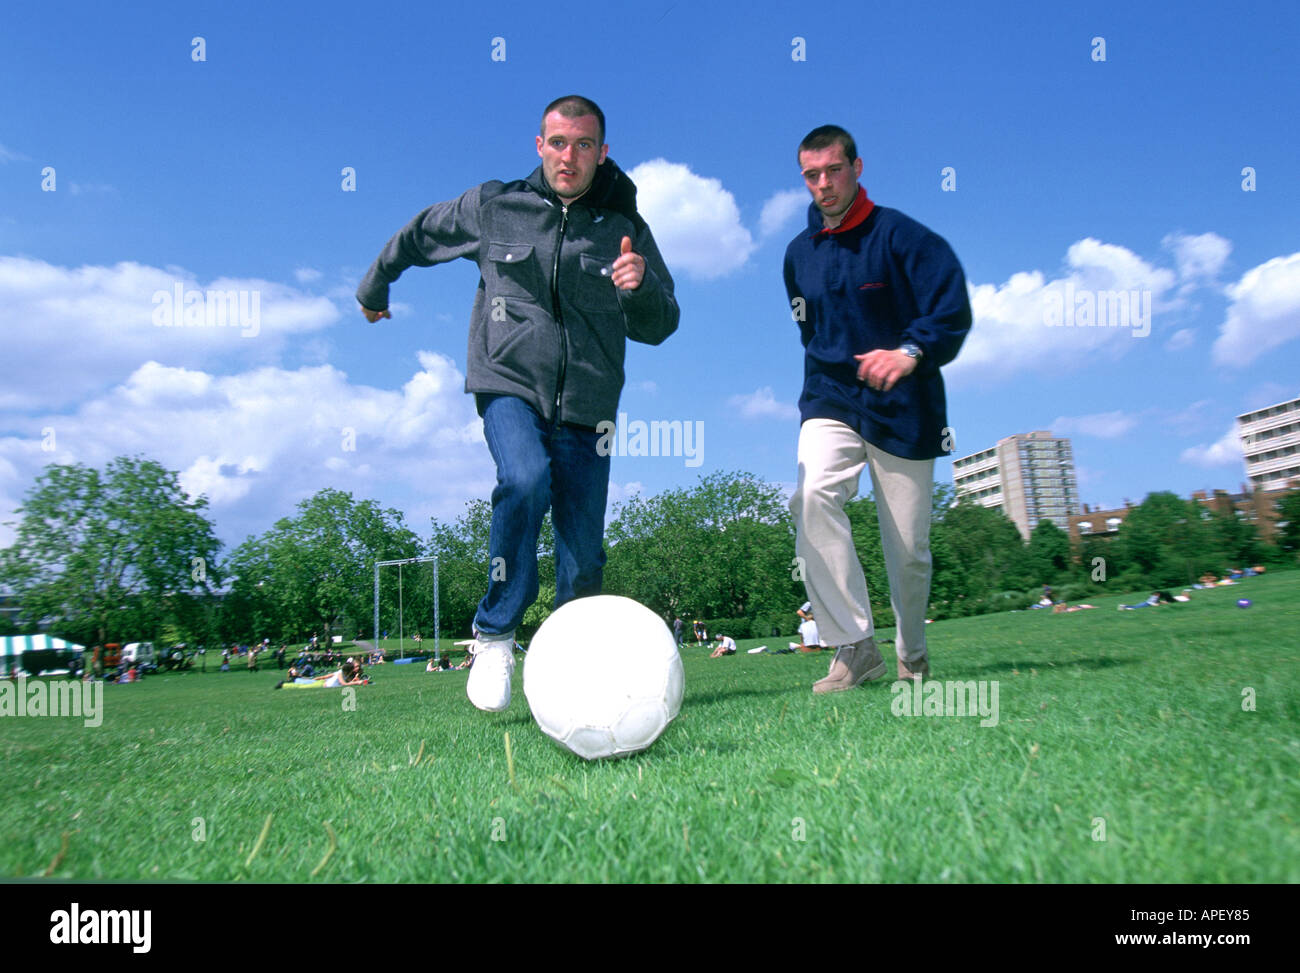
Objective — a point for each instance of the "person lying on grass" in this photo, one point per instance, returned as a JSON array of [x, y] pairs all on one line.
[[349, 674], [1157, 599]]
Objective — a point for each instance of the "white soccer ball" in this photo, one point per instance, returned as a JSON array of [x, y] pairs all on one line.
[[603, 677]]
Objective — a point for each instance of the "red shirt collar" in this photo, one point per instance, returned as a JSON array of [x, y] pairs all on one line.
[[856, 215]]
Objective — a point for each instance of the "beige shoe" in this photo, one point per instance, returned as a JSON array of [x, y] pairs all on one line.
[[916, 669], [852, 666]]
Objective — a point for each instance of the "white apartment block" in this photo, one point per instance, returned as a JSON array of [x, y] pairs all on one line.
[[1028, 476], [1270, 443]]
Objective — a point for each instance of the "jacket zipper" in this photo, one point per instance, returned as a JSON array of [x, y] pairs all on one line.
[[559, 317]]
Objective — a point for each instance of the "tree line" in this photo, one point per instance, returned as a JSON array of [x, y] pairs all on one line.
[[123, 554]]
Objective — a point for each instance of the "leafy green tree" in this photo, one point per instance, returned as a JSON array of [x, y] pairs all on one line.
[[1049, 553], [314, 572], [1288, 510], [1108, 568], [109, 556], [1236, 538], [979, 553], [864, 517], [465, 568], [1169, 540], [724, 548]]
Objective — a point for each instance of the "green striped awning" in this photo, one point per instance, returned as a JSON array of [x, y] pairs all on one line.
[[11, 645]]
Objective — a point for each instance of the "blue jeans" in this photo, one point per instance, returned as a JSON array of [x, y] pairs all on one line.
[[540, 466]]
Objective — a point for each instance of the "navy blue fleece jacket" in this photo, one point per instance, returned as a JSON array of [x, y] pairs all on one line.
[[880, 283]]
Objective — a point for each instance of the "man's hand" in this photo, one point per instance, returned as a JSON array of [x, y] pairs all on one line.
[[373, 316], [629, 268], [882, 370]]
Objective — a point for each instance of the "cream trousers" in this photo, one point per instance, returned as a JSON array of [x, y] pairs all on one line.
[[831, 459]]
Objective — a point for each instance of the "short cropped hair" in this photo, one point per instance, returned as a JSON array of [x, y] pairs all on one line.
[[574, 106], [823, 137]]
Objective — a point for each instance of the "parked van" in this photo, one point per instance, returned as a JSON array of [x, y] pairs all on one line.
[[139, 653]]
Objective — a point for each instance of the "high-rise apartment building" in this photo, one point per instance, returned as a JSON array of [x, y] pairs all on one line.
[[1270, 442], [1028, 476]]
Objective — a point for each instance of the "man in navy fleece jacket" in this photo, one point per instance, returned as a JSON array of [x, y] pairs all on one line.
[[881, 303]]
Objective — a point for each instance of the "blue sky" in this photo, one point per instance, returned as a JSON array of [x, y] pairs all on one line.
[[1117, 175]]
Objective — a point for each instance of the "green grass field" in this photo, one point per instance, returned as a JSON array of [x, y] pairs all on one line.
[[1126, 750]]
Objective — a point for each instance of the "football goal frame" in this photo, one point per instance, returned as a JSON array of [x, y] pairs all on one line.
[[437, 625]]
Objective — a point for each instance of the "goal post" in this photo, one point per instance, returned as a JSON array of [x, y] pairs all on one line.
[[437, 626]]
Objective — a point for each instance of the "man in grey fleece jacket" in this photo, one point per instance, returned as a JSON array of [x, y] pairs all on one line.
[[568, 271]]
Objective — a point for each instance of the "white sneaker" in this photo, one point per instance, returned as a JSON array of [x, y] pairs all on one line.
[[488, 687]]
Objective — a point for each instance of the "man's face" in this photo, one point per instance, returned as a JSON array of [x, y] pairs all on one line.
[[570, 152], [831, 178]]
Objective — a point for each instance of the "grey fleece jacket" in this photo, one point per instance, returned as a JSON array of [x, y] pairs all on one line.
[[548, 324]]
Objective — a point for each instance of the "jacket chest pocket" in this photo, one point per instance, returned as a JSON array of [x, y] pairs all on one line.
[[512, 272], [595, 285]]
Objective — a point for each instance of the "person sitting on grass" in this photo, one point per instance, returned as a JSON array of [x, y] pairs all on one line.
[[726, 646], [809, 637], [438, 665]]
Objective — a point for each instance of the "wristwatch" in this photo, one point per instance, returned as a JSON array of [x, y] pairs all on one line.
[[911, 349]]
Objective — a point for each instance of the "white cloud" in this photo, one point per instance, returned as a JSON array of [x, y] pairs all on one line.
[[621, 493], [80, 188], [1264, 313], [9, 155], [1011, 332], [1183, 338], [1226, 451], [762, 404], [1191, 419], [73, 331], [694, 219], [1107, 266], [308, 275], [1102, 425], [1199, 258], [780, 209], [259, 441]]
